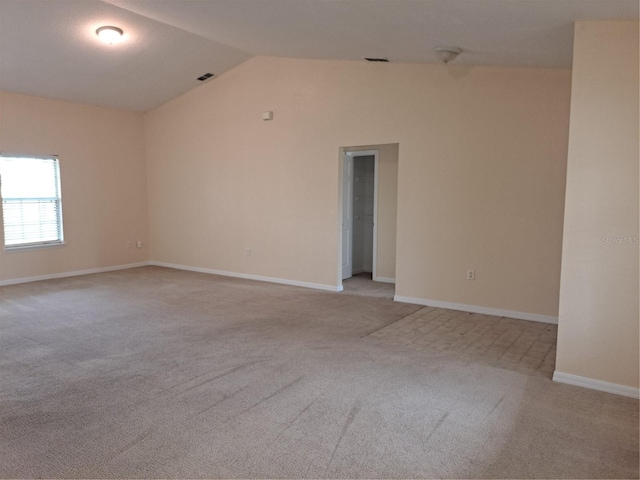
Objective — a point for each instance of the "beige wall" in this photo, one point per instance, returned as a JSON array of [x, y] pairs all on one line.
[[387, 208], [598, 325], [481, 176], [103, 180]]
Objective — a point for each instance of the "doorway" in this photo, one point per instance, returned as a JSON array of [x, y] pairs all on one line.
[[367, 244], [363, 206], [359, 209]]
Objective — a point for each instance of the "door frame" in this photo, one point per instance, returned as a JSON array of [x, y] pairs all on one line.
[[348, 152]]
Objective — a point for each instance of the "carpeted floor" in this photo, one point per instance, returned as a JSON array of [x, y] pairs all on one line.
[[528, 347], [361, 284], [159, 373]]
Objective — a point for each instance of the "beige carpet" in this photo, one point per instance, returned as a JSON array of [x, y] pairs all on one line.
[[361, 284], [527, 347], [157, 373]]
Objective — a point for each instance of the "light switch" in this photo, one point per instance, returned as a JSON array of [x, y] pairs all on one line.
[[267, 115]]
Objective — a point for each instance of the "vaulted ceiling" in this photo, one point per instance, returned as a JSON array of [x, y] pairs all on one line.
[[49, 47]]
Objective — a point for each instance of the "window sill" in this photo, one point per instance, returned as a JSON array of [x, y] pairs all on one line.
[[27, 248]]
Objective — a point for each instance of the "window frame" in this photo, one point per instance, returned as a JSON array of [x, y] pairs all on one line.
[[43, 244]]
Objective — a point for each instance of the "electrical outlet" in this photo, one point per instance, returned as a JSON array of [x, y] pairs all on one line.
[[139, 244], [247, 252], [471, 274]]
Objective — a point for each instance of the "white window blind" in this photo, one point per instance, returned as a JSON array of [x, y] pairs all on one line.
[[31, 206]]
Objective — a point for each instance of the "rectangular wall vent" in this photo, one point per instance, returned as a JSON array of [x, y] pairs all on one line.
[[374, 59]]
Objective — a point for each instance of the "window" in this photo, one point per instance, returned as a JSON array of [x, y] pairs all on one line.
[[31, 207]]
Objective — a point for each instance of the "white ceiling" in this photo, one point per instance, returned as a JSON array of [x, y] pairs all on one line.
[[49, 48]]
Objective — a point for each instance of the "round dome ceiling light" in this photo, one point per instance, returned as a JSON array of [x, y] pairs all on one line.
[[109, 34], [447, 54]]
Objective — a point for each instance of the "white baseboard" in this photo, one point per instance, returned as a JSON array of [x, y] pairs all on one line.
[[384, 280], [594, 384], [247, 276], [15, 281], [477, 309]]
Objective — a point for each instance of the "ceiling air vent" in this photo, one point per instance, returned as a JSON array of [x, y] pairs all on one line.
[[374, 59], [206, 76]]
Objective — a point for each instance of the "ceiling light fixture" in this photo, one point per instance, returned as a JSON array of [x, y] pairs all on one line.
[[109, 34], [447, 54]]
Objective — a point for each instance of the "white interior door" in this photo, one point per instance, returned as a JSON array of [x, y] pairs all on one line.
[[347, 217], [362, 231]]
